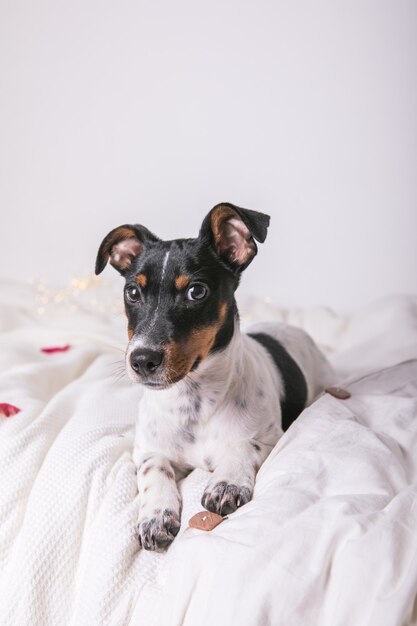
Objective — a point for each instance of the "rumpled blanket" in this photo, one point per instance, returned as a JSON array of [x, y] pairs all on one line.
[[329, 539]]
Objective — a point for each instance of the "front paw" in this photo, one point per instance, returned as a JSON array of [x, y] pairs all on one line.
[[159, 531], [224, 498]]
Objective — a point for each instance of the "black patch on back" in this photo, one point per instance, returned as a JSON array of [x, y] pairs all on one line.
[[295, 385]]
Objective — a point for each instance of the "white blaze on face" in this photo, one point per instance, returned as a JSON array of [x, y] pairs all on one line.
[[141, 342], [155, 315], [164, 265]]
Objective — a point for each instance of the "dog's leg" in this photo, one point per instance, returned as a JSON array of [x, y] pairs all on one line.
[[233, 479], [160, 502]]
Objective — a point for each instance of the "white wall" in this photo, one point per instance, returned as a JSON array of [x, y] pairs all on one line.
[[154, 111]]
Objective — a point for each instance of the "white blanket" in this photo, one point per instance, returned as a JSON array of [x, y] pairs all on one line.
[[330, 537]]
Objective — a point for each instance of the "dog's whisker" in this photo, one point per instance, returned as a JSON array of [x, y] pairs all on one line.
[[119, 376]]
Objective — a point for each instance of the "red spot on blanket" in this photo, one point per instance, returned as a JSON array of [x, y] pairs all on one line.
[[8, 410], [56, 349]]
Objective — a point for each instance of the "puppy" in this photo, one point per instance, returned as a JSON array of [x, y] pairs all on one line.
[[214, 397]]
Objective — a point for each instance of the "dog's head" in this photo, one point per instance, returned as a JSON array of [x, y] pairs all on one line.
[[179, 295]]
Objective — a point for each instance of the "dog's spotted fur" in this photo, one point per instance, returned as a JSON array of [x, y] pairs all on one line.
[[214, 397]]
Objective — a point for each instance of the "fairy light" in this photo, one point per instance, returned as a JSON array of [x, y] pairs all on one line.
[[87, 293]]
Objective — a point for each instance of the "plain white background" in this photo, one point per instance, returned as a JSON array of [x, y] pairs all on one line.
[[152, 112]]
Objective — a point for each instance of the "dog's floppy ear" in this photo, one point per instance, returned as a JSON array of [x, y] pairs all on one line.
[[121, 246], [232, 232]]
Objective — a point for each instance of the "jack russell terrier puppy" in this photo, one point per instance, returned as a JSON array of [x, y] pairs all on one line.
[[214, 397]]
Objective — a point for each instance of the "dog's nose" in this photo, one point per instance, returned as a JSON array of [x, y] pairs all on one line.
[[144, 361]]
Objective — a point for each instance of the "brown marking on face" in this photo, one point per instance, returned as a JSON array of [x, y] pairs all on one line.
[[180, 356], [181, 281], [147, 469], [130, 333], [222, 312], [141, 280]]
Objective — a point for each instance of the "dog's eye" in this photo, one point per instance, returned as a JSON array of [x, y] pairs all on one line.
[[132, 293], [197, 292]]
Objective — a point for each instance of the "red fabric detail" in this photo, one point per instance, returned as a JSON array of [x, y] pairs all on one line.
[[8, 410], [56, 349]]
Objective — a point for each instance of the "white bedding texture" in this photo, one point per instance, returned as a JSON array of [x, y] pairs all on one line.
[[329, 539]]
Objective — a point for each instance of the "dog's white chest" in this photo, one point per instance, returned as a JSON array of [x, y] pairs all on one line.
[[198, 426], [183, 433]]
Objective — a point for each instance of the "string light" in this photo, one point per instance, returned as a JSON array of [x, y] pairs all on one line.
[[87, 293]]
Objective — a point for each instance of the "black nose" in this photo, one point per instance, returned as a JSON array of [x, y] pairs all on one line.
[[145, 361]]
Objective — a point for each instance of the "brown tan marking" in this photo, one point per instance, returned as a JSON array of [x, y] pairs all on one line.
[[231, 235], [141, 280], [222, 312], [218, 216], [180, 357], [122, 245], [123, 233], [130, 333], [147, 469], [182, 281]]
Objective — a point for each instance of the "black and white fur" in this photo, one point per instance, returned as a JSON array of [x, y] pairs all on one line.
[[214, 397]]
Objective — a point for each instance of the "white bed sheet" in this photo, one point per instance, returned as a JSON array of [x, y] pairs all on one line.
[[330, 537]]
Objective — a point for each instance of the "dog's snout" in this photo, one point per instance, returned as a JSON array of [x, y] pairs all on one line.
[[145, 362]]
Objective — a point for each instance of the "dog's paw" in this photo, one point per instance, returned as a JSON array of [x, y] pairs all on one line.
[[158, 532], [224, 498]]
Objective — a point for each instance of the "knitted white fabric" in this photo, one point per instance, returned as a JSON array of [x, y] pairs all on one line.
[[328, 539]]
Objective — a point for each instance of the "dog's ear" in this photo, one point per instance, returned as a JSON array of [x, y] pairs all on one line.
[[122, 245], [232, 231]]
